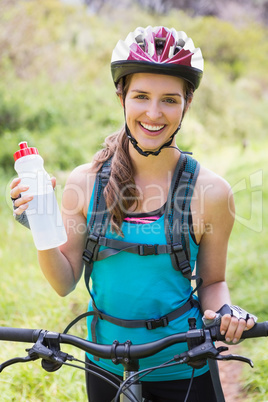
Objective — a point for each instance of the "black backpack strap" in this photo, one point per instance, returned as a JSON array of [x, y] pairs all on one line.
[[150, 324], [192, 167], [99, 220], [115, 246], [177, 213]]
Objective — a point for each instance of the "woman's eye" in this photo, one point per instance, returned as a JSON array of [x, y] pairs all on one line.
[[169, 100], [141, 97]]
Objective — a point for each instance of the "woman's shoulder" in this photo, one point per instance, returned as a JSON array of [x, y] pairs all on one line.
[[79, 187], [82, 175], [212, 182], [214, 191]]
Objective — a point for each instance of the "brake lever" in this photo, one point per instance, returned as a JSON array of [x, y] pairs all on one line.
[[51, 355], [36, 352], [16, 360], [207, 350], [223, 348], [235, 357]]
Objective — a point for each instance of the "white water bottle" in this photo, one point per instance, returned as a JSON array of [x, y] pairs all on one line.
[[43, 212]]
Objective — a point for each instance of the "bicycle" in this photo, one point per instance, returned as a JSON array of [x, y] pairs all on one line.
[[200, 344]]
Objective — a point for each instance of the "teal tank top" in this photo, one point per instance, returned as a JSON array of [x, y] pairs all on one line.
[[130, 286]]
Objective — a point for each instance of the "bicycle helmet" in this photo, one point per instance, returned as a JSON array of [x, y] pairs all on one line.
[[157, 50]]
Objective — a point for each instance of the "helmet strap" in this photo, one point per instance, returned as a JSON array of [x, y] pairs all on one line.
[[134, 142]]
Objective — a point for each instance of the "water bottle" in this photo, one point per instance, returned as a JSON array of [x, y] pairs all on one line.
[[43, 212]]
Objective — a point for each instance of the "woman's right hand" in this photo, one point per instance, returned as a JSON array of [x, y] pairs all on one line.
[[20, 201]]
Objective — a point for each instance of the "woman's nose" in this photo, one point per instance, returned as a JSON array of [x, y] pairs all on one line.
[[154, 111]]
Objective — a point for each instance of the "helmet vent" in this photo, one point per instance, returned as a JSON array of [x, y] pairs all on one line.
[[159, 45], [177, 49], [141, 45]]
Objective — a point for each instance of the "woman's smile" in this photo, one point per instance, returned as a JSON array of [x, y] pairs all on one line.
[[152, 129]]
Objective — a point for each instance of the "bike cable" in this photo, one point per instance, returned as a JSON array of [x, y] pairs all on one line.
[[128, 382]]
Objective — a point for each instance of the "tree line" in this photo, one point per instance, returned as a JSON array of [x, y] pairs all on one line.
[[228, 10]]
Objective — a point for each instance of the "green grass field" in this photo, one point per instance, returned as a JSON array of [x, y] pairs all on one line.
[[247, 275]]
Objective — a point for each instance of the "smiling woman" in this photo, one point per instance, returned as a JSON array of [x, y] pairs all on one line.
[[149, 215], [154, 107]]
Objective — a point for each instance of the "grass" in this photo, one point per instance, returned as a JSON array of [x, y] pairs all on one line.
[[247, 275]]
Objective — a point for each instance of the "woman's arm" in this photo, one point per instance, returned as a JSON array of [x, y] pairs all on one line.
[[62, 266], [218, 215]]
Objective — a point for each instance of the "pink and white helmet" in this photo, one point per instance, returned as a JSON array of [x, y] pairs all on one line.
[[158, 50]]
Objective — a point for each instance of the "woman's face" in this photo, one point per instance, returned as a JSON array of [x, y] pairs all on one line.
[[154, 107]]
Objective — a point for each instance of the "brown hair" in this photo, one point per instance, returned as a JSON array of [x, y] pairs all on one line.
[[121, 192]]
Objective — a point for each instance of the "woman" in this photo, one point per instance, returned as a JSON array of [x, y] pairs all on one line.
[[154, 194]]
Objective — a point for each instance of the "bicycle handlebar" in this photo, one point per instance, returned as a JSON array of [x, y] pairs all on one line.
[[117, 349]]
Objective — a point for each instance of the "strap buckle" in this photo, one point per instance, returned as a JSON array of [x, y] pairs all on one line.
[[88, 254], [156, 323], [148, 249], [93, 238], [185, 268], [177, 247]]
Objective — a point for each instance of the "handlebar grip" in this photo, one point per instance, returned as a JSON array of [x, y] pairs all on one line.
[[19, 334], [259, 330]]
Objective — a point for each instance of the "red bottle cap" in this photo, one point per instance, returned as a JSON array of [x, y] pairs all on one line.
[[24, 150]]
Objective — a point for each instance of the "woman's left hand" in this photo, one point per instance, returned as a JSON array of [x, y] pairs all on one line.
[[231, 326]]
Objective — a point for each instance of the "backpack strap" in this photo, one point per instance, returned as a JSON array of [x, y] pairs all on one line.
[[99, 220], [177, 213], [151, 323]]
